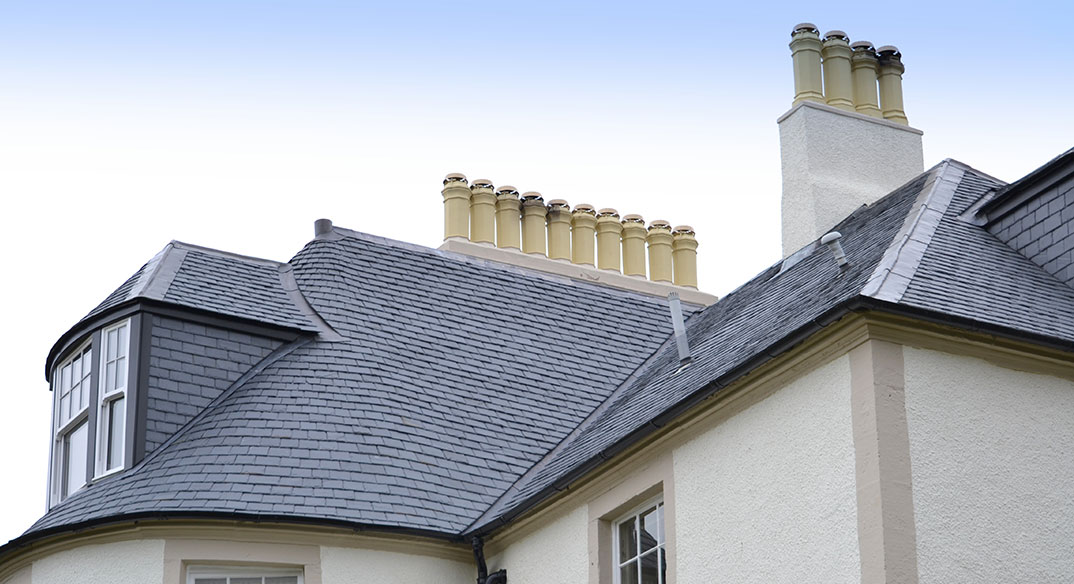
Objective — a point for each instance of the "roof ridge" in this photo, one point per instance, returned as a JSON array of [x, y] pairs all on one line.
[[225, 254], [896, 268]]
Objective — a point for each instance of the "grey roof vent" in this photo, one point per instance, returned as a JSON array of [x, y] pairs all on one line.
[[832, 241]]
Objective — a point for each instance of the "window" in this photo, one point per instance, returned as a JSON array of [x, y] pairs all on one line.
[[71, 388], [112, 393], [230, 575], [639, 552]]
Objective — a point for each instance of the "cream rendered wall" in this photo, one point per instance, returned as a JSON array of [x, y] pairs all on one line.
[[23, 576], [125, 562], [340, 565], [555, 552], [768, 495], [992, 456]]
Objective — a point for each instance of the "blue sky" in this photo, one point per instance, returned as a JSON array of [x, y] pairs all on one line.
[[236, 124]]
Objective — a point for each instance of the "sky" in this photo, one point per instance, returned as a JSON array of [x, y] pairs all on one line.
[[235, 125]]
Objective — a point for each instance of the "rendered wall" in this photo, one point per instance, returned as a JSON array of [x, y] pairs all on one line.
[[991, 454], [126, 562], [556, 552], [768, 495], [357, 566]]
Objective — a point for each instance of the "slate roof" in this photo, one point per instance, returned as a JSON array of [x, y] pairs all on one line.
[[453, 393]]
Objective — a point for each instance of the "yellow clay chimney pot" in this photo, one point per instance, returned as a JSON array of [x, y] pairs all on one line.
[[805, 55], [533, 223], [609, 234], [583, 226], [559, 230], [838, 86], [634, 245], [456, 206], [507, 218], [890, 81], [864, 71], [482, 211], [660, 251], [684, 252]]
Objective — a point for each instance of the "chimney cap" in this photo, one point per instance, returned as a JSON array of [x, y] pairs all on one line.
[[481, 183], [532, 196], [836, 34], [889, 51], [805, 27], [585, 208], [861, 45], [322, 227], [558, 204], [455, 177], [659, 224], [683, 230], [633, 218], [608, 212], [507, 190]]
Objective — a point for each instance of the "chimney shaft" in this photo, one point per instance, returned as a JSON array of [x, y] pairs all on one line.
[[456, 206], [660, 251], [838, 87], [634, 245], [609, 233], [684, 252], [559, 230], [482, 212], [864, 67], [507, 218], [583, 225], [533, 223], [890, 81], [805, 52]]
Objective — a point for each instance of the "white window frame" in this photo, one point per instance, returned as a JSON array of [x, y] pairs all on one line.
[[62, 429], [660, 547], [106, 399], [229, 572]]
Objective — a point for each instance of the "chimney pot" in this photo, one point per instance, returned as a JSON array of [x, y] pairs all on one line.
[[659, 239], [609, 236], [838, 79], [508, 213], [482, 212], [864, 71], [559, 230], [533, 223], [583, 224], [684, 256], [805, 56], [456, 206], [634, 245], [890, 83]]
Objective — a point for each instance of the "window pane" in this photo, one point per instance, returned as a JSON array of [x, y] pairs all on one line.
[[75, 458], [649, 568], [121, 372], [117, 422], [628, 542], [83, 395], [65, 379], [65, 409], [246, 581], [121, 350], [650, 527], [76, 369], [660, 523], [110, 345], [110, 376], [210, 580], [281, 580], [628, 574], [663, 565]]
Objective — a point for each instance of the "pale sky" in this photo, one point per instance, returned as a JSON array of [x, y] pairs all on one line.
[[234, 125]]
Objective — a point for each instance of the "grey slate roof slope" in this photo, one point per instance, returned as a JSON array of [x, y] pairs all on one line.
[[451, 378], [215, 281]]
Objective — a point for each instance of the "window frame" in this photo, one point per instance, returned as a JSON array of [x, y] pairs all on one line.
[[659, 550], [237, 571], [105, 400], [63, 429]]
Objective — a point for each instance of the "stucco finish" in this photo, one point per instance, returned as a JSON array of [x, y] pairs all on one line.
[[555, 552], [125, 562], [833, 162], [768, 495], [992, 470], [23, 576], [340, 565]]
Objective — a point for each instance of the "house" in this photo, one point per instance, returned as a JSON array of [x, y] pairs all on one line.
[[548, 398]]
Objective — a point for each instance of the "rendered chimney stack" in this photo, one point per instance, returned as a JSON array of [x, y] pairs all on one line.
[[559, 230], [890, 82], [684, 253], [456, 206], [533, 223], [864, 66], [507, 218], [609, 233], [806, 53], [482, 212], [583, 226], [659, 238], [838, 85], [634, 245]]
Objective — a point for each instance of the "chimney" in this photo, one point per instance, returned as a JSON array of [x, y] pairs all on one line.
[[507, 214], [684, 256], [583, 223], [634, 245], [533, 223], [482, 212], [559, 230], [848, 147], [660, 251], [456, 206], [609, 233]]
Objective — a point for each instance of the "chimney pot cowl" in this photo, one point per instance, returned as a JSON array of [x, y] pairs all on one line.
[[608, 212], [660, 224], [889, 51], [455, 177], [532, 196], [683, 230], [836, 34], [862, 46], [632, 218], [805, 27], [481, 183], [507, 190], [585, 208], [558, 204]]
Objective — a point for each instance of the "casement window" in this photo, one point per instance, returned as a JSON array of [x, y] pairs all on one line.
[[112, 394], [71, 386], [640, 547], [242, 575]]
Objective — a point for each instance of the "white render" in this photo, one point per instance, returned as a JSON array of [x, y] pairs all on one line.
[[768, 495], [340, 565], [833, 162], [124, 562], [992, 472], [555, 552]]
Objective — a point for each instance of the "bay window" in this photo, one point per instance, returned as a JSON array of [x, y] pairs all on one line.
[[71, 385], [112, 393]]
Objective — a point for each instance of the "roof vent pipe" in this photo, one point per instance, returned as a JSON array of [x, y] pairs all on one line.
[[679, 327], [322, 227], [832, 241]]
